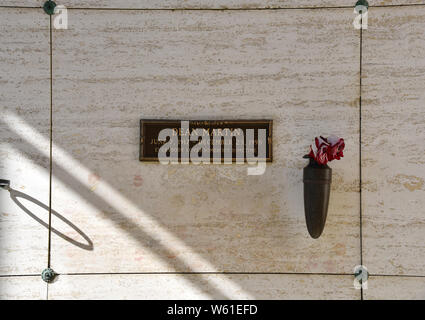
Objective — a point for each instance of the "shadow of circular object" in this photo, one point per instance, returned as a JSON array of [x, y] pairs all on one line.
[[15, 194]]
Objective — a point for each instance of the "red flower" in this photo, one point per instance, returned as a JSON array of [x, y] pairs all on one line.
[[336, 149], [326, 149]]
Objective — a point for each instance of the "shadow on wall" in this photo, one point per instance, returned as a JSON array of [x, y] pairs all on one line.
[[15, 194], [254, 228], [138, 234]]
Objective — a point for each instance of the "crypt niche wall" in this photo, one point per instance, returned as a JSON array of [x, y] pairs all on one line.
[[128, 229]]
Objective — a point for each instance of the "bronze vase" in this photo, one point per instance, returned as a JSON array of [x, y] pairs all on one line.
[[317, 188]]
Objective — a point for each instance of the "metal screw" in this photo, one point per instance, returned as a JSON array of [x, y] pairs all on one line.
[[362, 3], [48, 275], [5, 184], [361, 273], [49, 7]]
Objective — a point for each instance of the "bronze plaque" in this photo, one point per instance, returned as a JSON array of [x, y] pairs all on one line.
[[150, 129]]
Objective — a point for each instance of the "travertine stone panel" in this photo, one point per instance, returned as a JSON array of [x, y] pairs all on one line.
[[393, 141], [24, 132], [395, 288], [196, 286], [22, 288], [114, 67], [204, 4]]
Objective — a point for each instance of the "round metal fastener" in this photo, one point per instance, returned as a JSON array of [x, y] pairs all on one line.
[[5, 184], [362, 3], [361, 273], [49, 7], [48, 275]]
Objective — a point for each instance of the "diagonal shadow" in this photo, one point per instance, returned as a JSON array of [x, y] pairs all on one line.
[[15, 194], [141, 236]]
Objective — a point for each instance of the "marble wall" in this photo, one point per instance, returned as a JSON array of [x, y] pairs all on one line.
[[126, 229]]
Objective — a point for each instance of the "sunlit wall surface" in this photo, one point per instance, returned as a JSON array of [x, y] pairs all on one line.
[[123, 229]]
